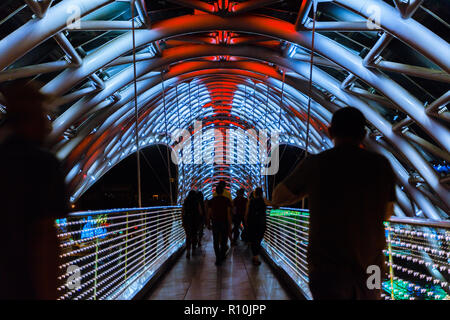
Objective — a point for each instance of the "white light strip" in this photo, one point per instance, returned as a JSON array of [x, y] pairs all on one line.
[[426, 247], [110, 264]]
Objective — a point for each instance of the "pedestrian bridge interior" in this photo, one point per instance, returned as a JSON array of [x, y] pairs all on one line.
[[125, 75]]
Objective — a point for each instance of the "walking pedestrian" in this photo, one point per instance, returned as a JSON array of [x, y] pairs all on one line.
[[255, 220], [219, 216], [190, 218]]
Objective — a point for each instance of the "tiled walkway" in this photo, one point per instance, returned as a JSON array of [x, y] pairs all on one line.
[[236, 279]]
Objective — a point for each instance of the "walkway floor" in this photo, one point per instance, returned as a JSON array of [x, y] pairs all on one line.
[[236, 279]]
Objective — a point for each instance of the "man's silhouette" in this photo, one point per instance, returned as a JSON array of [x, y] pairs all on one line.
[[351, 192], [219, 216], [32, 195]]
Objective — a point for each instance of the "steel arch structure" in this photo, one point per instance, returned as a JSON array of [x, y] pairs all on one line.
[[241, 65]]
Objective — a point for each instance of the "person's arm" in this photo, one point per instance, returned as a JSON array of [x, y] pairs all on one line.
[[295, 186], [389, 210]]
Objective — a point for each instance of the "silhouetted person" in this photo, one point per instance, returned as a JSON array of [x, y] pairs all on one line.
[[202, 217], [255, 221], [219, 215], [226, 193], [351, 192], [239, 207], [32, 196], [190, 218]]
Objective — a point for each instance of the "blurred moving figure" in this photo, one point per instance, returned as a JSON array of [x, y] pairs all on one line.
[[255, 221], [239, 206], [32, 195], [219, 216], [226, 193], [351, 192], [191, 216]]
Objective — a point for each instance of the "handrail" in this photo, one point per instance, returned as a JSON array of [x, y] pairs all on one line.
[[112, 254], [108, 211], [417, 253], [421, 222]]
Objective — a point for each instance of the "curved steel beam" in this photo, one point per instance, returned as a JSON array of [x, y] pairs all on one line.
[[113, 128], [36, 31], [430, 213], [263, 26], [253, 67], [334, 87], [408, 30]]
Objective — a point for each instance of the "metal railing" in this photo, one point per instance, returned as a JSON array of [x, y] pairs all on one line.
[[112, 254], [417, 254]]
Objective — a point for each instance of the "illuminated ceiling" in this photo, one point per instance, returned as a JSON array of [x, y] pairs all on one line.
[[242, 64]]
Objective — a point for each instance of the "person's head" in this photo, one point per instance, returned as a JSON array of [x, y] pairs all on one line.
[[219, 188], [347, 126], [240, 192], [222, 184], [26, 113], [258, 192], [200, 195], [192, 194]]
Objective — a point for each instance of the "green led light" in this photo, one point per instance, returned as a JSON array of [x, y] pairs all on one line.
[[402, 291], [284, 212]]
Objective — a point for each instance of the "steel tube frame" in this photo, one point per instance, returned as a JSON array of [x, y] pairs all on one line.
[[96, 25], [427, 146], [421, 72], [423, 203], [378, 47], [302, 15], [403, 179], [33, 70], [408, 30], [36, 31], [126, 77], [195, 4], [344, 60], [35, 7], [260, 25], [67, 47], [251, 5], [94, 147], [424, 169], [86, 152], [340, 26], [441, 101]]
